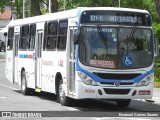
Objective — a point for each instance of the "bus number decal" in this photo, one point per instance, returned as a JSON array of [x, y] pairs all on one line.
[[96, 18], [60, 63]]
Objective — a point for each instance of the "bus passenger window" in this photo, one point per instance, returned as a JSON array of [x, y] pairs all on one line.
[[51, 35], [31, 43], [10, 38], [62, 35], [24, 39], [51, 43]]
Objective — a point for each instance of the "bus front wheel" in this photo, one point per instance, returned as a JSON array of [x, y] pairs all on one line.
[[24, 89], [63, 99], [123, 103]]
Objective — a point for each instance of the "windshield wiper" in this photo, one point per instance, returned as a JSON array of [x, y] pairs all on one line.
[[101, 35], [131, 35]]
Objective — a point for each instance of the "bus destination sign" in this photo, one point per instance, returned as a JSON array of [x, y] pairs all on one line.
[[122, 19], [116, 17]]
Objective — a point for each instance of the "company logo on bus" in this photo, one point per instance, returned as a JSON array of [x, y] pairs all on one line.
[[117, 83]]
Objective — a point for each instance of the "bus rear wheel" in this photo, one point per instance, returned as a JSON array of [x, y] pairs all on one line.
[[123, 102], [62, 98], [24, 89]]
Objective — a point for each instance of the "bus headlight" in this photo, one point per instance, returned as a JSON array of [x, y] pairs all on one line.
[[86, 79], [146, 81]]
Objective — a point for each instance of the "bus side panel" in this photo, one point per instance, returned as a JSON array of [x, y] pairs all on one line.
[[49, 67], [26, 62], [61, 68], [9, 65], [52, 63]]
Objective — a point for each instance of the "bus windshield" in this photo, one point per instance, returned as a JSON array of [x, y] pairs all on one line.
[[116, 48]]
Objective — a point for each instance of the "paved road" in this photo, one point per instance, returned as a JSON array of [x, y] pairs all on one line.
[[12, 100]]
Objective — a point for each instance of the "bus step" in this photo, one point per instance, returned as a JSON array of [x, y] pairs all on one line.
[[38, 90]]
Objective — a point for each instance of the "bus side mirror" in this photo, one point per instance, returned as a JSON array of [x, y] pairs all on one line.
[[76, 37], [5, 34]]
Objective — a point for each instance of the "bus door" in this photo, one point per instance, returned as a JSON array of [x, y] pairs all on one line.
[[15, 57], [38, 60], [71, 63]]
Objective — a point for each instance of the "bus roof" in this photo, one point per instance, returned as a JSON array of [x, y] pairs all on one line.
[[66, 14]]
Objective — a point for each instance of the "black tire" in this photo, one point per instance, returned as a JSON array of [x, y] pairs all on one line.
[[123, 102], [24, 89], [61, 97]]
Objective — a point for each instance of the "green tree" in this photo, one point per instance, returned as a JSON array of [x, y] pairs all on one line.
[[17, 8], [157, 5]]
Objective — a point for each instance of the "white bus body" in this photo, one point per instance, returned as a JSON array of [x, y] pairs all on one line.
[[64, 71]]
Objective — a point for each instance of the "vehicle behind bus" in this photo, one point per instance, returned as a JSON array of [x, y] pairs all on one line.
[[2, 46]]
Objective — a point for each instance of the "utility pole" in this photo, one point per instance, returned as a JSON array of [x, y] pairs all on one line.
[[119, 3], [49, 6], [29, 8], [114, 3], [64, 5], [23, 8]]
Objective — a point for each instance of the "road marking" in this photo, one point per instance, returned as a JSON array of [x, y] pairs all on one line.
[[3, 97], [9, 87], [72, 109]]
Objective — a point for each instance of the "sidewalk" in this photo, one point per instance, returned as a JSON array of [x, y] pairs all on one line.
[[156, 95], [156, 92]]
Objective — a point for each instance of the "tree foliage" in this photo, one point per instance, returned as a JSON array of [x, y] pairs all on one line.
[[157, 5]]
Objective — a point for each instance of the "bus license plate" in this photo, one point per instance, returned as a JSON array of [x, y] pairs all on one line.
[[144, 92]]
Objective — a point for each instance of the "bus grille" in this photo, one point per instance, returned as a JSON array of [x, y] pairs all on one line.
[[117, 76], [116, 91], [106, 83]]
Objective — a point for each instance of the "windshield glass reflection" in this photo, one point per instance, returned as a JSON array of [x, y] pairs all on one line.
[[121, 48]]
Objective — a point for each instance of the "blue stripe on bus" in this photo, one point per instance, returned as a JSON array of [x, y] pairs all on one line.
[[98, 79], [21, 56]]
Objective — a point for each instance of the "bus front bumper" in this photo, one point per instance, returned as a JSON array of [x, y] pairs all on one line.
[[84, 91]]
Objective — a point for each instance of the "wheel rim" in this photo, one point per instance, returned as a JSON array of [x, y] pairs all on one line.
[[61, 93]]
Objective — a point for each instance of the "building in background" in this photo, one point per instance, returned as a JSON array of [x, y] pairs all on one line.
[[5, 18]]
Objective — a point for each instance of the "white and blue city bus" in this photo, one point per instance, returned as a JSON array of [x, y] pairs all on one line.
[[87, 52]]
